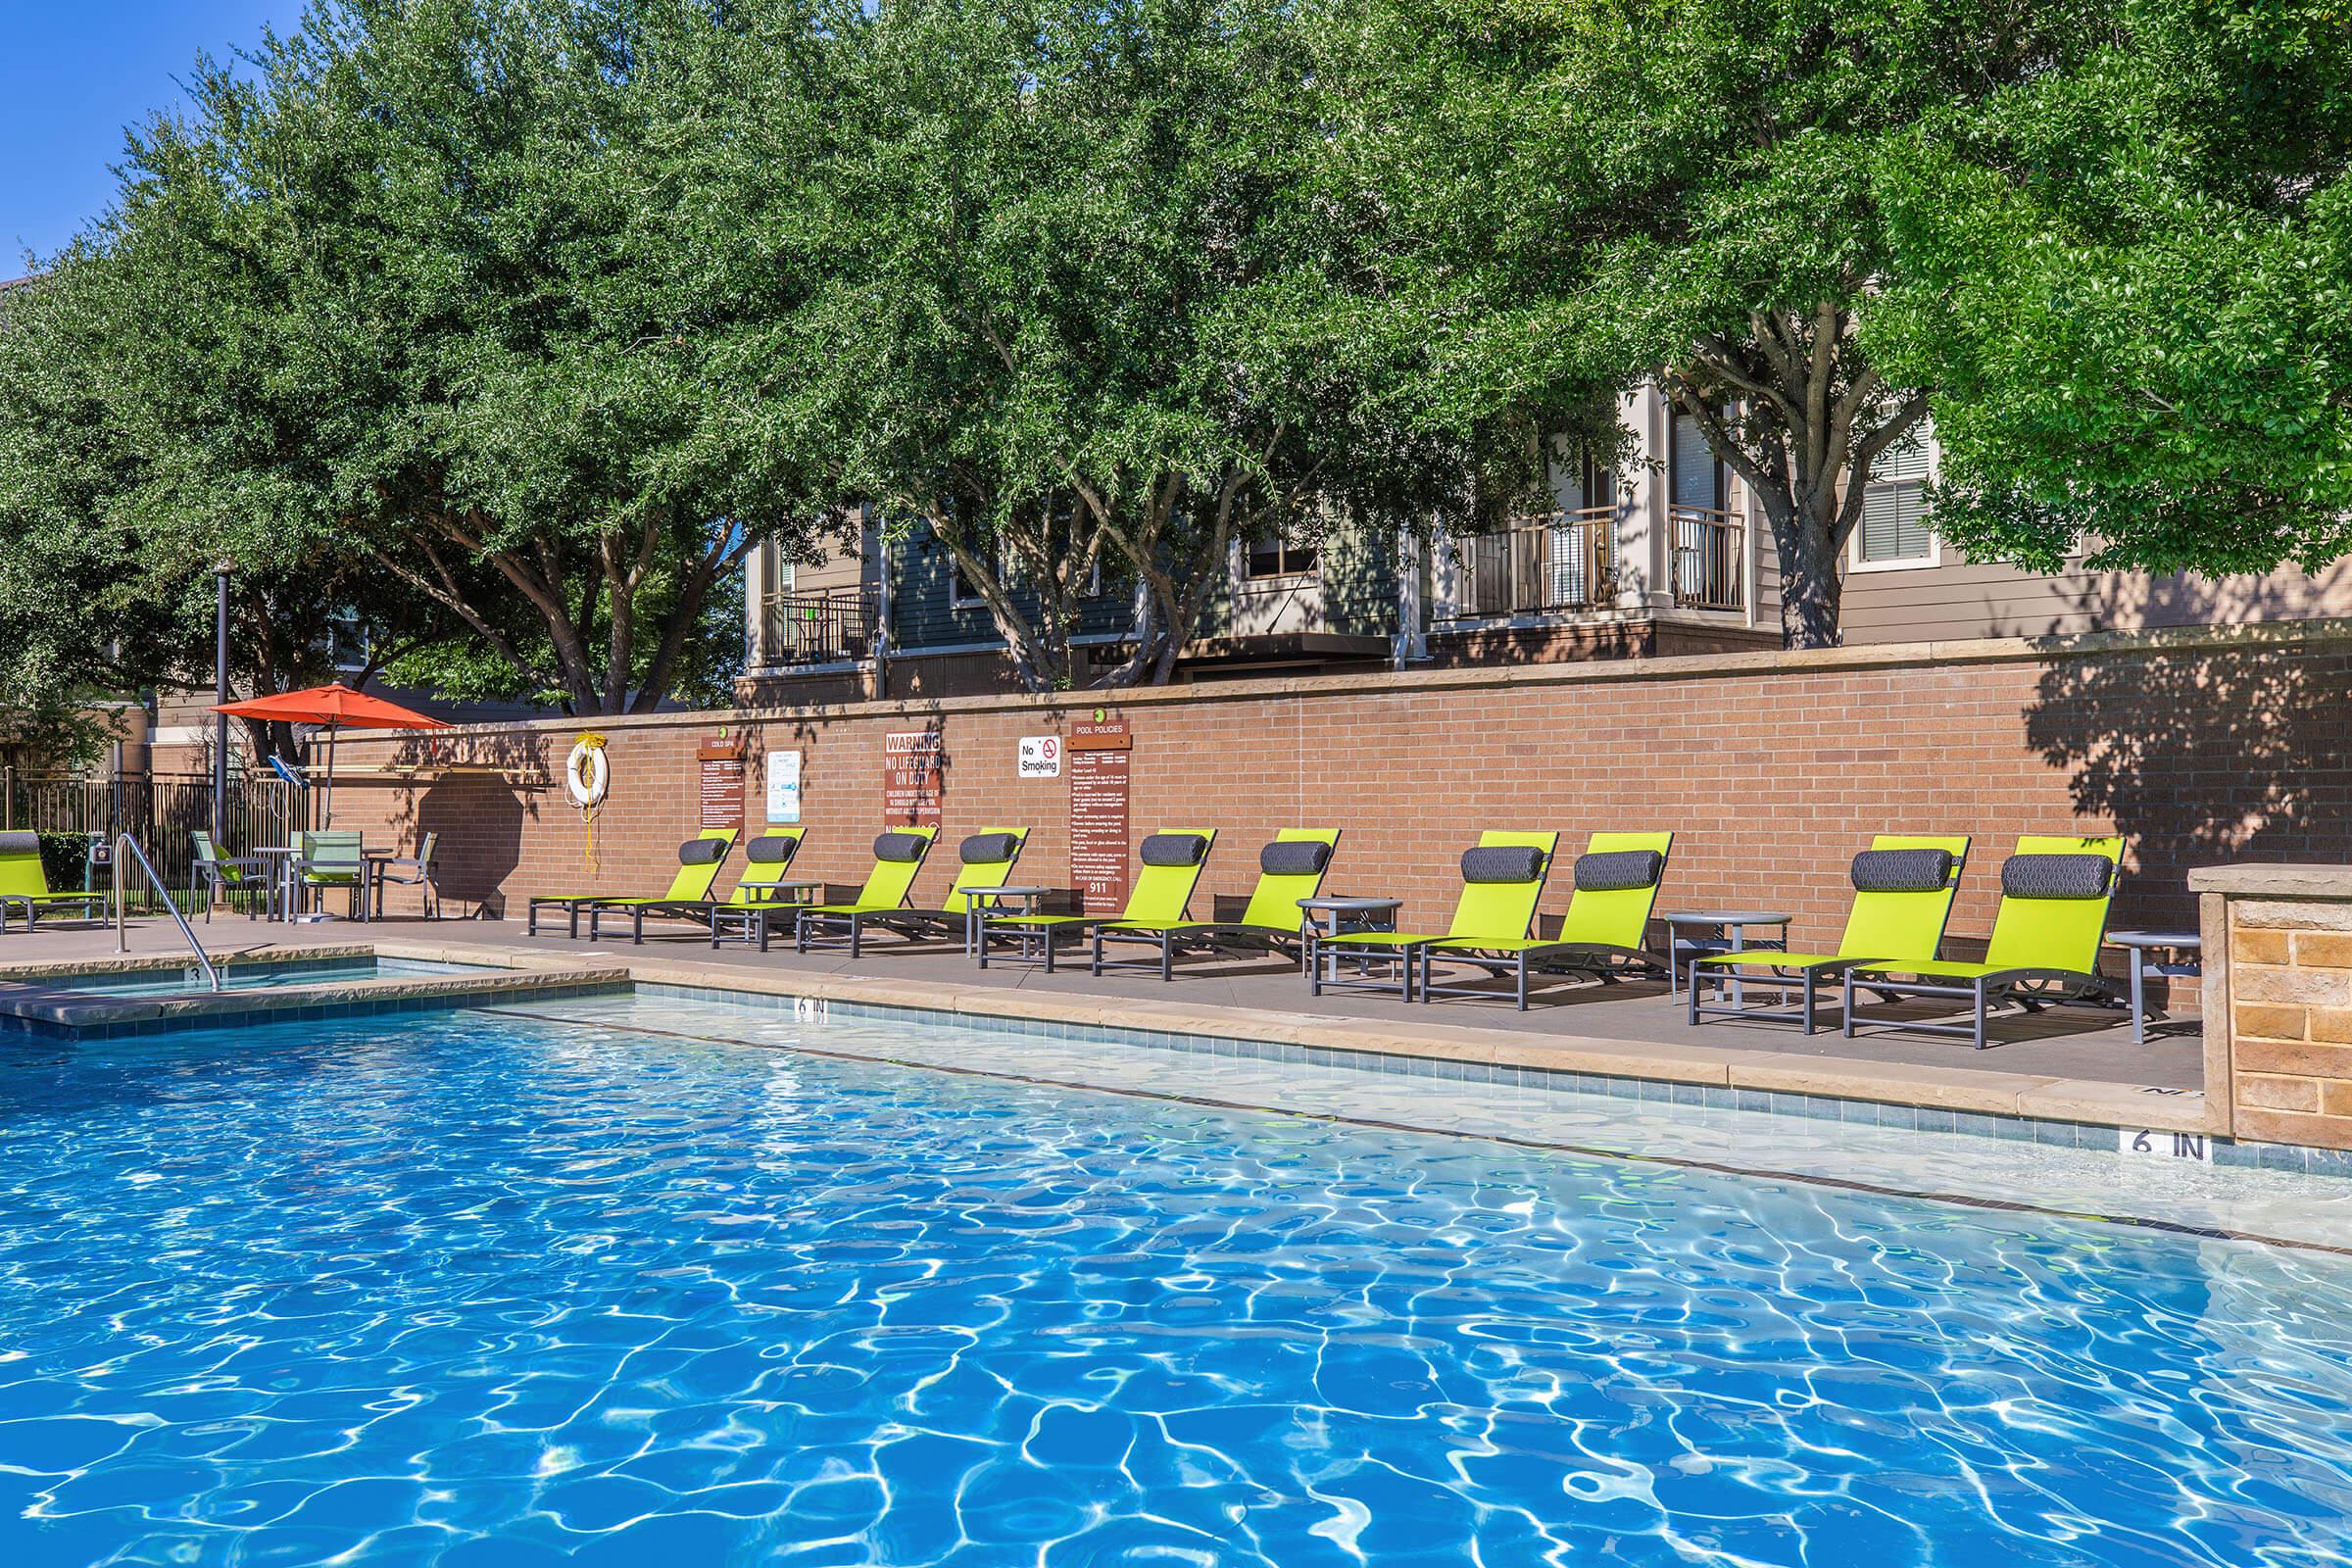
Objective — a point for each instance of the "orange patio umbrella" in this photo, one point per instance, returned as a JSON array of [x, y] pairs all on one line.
[[334, 706]]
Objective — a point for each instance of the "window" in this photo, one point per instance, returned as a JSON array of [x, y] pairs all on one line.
[[349, 642], [1894, 531], [1274, 556], [962, 592], [1696, 473]]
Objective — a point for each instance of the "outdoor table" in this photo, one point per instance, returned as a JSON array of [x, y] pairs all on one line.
[[2141, 948], [281, 878], [770, 897], [1734, 924], [980, 900], [1342, 914]]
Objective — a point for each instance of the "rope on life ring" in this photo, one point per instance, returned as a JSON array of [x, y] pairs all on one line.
[[587, 775]]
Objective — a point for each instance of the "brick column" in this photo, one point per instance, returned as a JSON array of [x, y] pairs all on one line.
[[2278, 1000]]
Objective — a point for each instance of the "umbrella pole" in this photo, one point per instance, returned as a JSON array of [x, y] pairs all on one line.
[[326, 798]]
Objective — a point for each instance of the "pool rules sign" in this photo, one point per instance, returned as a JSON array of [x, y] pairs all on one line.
[[1097, 753]]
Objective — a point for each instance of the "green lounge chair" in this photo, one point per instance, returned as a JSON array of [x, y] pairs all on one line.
[[25, 885], [699, 860], [766, 859], [1602, 934], [899, 855], [327, 862], [1170, 859], [1289, 869], [221, 877], [1501, 880], [985, 861], [2055, 891], [1903, 889]]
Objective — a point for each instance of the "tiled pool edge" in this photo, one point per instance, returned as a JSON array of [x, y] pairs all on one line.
[[2094, 1136]]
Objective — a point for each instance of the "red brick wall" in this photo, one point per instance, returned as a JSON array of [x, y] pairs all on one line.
[[1773, 768]]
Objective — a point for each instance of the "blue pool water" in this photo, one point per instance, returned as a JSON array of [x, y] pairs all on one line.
[[248, 976], [475, 1290]]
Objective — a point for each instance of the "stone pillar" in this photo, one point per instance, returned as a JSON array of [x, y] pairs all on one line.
[[2278, 1000]]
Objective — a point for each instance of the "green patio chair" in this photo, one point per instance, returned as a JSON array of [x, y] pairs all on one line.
[[899, 855], [985, 861], [1170, 859], [1289, 869], [330, 861], [25, 885], [411, 871], [2055, 892], [1602, 936], [699, 860], [1502, 878], [1903, 891], [766, 859], [227, 878]]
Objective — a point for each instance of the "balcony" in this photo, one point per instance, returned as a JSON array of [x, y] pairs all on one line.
[[1555, 564], [1707, 562], [818, 629]]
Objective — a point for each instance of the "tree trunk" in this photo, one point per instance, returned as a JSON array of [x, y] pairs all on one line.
[[1792, 408]]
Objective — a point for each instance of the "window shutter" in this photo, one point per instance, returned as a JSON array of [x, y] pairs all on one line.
[[1895, 507]]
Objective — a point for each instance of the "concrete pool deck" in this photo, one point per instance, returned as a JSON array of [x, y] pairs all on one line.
[[2075, 1064]]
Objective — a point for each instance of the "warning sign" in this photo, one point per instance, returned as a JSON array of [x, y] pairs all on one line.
[[914, 782]]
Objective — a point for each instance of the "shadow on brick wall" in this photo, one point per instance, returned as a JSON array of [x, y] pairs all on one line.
[[480, 816], [2203, 759]]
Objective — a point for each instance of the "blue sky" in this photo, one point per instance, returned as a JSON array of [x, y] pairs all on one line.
[[72, 74]]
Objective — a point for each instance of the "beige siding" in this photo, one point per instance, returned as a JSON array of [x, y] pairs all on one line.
[[1961, 598]]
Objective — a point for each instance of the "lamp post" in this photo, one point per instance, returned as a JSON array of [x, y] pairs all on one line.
[[220, 570]]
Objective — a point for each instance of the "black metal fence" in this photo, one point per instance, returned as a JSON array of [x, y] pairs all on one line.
[[160, 812]]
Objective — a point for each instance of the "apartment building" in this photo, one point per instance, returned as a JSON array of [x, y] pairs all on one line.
[[1666, 554]]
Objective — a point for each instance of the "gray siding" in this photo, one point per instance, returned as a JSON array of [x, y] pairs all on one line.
[[1960, 599]]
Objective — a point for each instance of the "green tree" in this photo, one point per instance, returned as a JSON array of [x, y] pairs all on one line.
[[1090, 306], [1623, 188], [2131, 287], [483, 295]]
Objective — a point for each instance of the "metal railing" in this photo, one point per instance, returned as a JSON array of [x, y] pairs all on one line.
[[818, 629], [1707, 562], [203, 961], [164, 810], [1545, 566]]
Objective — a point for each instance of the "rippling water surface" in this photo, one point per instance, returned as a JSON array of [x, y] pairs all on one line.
[[479, 1291]]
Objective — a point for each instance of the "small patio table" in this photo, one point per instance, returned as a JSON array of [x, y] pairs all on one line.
[[1734, 924], [2142, 950], [774, 898], [985, 902], [281, 878], [1342, 914]]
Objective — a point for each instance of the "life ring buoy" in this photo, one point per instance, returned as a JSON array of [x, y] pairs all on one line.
[[586, 773]]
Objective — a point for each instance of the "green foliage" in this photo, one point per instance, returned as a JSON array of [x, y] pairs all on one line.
[[1619, 188], [2132, 286]]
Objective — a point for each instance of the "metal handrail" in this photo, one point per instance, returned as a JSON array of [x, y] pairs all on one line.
[[203, 961]]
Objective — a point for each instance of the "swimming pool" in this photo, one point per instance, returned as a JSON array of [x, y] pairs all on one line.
[[483, 1288], [271, 976]]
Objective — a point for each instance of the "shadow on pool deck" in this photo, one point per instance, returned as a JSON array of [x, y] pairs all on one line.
[[2072, 1043]]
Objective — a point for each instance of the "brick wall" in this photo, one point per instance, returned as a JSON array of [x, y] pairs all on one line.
[[1773, 768], [2279, 1025]]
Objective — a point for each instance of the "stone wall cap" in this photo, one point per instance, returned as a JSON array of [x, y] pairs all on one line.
[[2311, 881]]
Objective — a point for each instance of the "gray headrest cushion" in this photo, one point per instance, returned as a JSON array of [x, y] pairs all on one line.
[[1173, 849], [1615, 871], [772, 849], [20, 843], [1901, 870], [2056, 877], [702, 852], [989, 848], [901, 847], [1294, 857], [1502, 862]]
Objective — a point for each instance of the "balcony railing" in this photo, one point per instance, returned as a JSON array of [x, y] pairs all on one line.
[[1709, 568], [1547, 566], [818, 629]]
